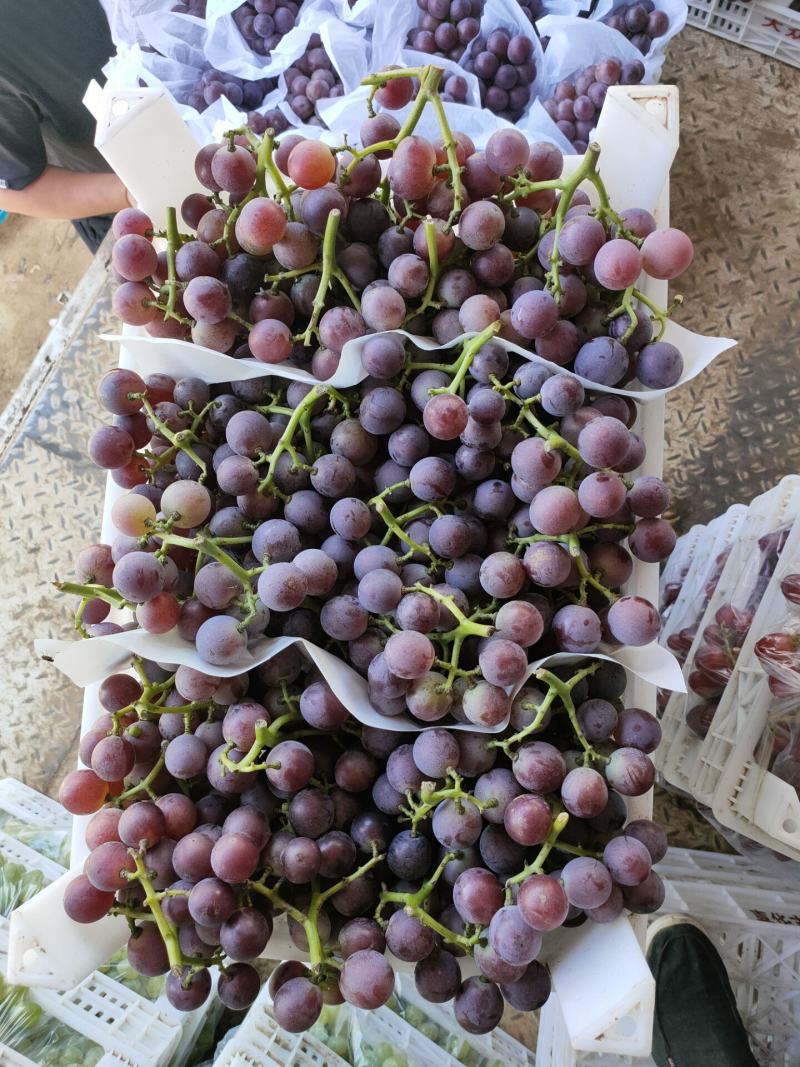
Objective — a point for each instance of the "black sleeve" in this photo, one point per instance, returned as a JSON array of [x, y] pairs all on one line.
[[22, 153]]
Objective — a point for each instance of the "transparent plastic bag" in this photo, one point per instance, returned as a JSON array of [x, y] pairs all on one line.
[[133, 67], [717, 651], [52, 843], [227, 50], [121, 971], [394, 21], [123, 16], [453, 1040], [777, 652], [17, 884], [676, 569], [572, 45], [348, 52], [675, 10], [576, 43], [176, 37], [333, 1029], [27, 1029], [355, 12]]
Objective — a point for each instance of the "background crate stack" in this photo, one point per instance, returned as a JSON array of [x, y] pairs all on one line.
[[728, 772], [758, 24]]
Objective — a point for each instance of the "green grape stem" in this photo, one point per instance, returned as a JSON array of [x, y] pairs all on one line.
[[318, 956], [268, 735], [173, 242], [169, 934], [146, 783], [94, 591], [413, 905], [295, 420], [556, 827], [433, 270], [328, 266], [430, 797], [564, 691], [468, 353], [182, 440]]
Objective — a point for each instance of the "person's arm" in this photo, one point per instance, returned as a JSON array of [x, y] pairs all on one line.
[[65, 194]]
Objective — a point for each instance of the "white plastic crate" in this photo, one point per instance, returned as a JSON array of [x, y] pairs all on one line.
[[678, 755], [554, 1051], [688, 865], [259, 1040], [762, 957], [758, 24], [748, 798], [755, 925], [496, 1046]]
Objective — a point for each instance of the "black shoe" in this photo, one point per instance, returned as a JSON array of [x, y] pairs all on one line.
[[696, 1022]]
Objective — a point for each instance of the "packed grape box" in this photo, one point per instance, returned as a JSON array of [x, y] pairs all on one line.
[[446, 539], [368, 616]]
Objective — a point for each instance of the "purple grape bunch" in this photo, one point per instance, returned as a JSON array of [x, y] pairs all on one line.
[[311, 78], [213, 84], [446, 27], [641, 22], [439, 528], [577, 101], [504, 65], [264, 23]]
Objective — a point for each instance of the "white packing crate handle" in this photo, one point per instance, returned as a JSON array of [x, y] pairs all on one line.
[[142, 136], [618, 1016]]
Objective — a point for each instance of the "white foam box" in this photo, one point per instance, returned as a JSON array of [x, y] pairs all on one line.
[[639, 132]]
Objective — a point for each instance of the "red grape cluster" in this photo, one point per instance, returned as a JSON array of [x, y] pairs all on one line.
[[640, 22], [446, 27], [776, 651], [264, 23], [348, 252], [311, 78], [576, 102], [220, 807], [681, 641], [491, 523], [504, 65], [212, 84]]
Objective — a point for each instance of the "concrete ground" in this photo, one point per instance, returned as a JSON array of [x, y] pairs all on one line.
[[41, 262]]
